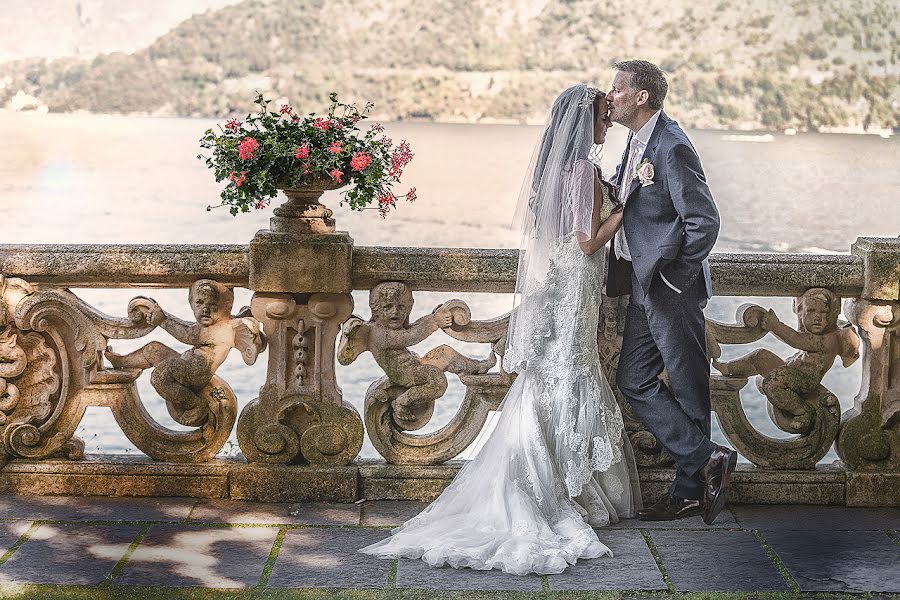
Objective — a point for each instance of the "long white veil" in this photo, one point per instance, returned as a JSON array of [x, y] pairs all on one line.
[[556, 201]]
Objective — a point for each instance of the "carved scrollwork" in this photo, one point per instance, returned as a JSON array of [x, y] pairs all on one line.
[[300, 415], [404, 400], [797, 401]]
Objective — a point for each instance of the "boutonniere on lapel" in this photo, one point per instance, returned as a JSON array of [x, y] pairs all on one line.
[[644, 173]]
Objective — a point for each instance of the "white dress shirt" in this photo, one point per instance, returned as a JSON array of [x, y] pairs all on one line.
[[638, 144]]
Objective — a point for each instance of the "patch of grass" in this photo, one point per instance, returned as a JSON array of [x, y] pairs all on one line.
[[273, 556], [392, 574], [658, 558], [775, 559], [127, 556], [56, 592]]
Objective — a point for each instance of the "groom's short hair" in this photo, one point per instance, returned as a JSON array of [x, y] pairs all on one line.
[[646, 76]]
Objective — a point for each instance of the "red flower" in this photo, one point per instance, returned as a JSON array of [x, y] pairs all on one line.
[[401, 157], [336, 175], [385, 203], [286, 110], [360, 161], [322, 124], [233, 124], [247, 148], [302, 151], [237, 180], [411, 195], [335, 148]]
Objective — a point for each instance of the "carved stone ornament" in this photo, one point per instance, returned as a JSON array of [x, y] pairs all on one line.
[[869, 438], [797, 401], [404, 399], [300, 416]]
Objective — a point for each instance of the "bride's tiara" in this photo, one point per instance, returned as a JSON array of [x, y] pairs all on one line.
[[589, 94]]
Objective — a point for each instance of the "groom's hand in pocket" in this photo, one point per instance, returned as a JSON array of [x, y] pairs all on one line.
[[680, 273]]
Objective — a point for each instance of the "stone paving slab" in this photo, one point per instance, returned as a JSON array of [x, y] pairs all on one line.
[[390, 512], [631, 567], [717, 561], [415, 574], [10, 534], [69, 554], [191, 556], [725, 520], [812, 518], [328, 558], [239, 511], [839, 561], [94, 508]]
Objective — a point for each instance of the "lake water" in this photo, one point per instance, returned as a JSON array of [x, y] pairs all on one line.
[[75, 179]]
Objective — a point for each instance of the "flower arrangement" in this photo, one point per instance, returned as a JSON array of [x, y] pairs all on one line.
[[272, 150]]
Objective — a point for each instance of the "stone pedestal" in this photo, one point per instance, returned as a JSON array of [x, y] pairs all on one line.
[[300, 273]]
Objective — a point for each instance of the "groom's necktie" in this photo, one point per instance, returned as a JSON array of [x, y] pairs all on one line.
[[624, 185]]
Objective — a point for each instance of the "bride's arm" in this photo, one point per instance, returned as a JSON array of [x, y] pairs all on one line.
[[603, 231]]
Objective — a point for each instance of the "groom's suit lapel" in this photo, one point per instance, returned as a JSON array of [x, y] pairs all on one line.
[[649, 151], [620, 173]]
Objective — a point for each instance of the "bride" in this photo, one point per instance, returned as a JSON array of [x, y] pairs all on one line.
[[557, 462]]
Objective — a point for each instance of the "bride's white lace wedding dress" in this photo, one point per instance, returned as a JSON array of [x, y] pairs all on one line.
[[557, 461]]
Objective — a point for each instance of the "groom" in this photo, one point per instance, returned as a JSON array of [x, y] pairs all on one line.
[[659, 256]]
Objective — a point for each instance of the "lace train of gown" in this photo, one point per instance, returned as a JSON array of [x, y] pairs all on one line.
[[557, 461]]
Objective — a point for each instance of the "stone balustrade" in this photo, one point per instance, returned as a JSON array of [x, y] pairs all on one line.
[[301, 438]]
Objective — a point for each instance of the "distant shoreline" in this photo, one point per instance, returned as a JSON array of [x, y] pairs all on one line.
[[488, 121]]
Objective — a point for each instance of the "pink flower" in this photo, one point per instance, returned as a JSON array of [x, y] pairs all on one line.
[[411, 195], [247, 148], [401, 157], [233, 124], [305, 167], [377, 127], [336, 175], [385, 203], [302, 151], [321, 123], [360, 161], [286, 110], [237, 180], [335, 148]]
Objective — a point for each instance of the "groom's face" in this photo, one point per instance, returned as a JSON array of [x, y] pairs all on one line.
[[623, 101]]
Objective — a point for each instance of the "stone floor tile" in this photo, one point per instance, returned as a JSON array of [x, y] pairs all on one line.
[[415, 574], [94, 508], [10, 533], [390, 512], [329, 558], [725, 520], [192, 556], [71, 554], [717, 561], [632, 567], [812, 518], [238, 511], [840, 561]]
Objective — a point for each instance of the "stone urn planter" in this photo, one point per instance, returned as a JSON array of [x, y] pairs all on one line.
[[303, 213]]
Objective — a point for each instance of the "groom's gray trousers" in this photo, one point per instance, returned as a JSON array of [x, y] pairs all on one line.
[[667, 329]]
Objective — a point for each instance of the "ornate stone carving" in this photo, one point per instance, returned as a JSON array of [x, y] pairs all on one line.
[[798, 403], [300, 415], [404, 399], [648, 452], [869, 437]]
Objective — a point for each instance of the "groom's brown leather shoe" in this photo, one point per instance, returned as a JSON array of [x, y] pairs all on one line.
[[671, 508], [717, 482]]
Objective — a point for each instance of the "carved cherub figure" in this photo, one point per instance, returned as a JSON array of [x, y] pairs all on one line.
[[180, 377], [388, 335], [820, 339]]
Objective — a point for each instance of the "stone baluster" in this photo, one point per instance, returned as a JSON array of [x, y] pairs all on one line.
[[300, 275], [869, 438]]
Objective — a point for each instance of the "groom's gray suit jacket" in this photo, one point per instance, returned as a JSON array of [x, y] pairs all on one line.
[[670, 226]]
